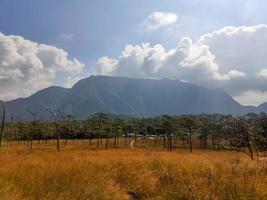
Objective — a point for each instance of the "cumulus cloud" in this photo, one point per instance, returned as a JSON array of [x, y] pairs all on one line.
[[189, 62], [241, 48], [71, 80], [158, 20], [26, 66], [245, 98], [232, 58], [263, 73], [231, 74]]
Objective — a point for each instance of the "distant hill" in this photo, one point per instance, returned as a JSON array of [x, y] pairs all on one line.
[[263, 107], [127, 96]]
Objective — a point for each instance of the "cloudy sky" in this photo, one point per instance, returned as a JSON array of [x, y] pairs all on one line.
[[213, 43]]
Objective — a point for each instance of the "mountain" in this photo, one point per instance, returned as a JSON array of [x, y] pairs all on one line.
[[126, 96], [38, 102], [263, 107]]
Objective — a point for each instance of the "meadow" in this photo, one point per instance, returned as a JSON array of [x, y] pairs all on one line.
[[80, 171]]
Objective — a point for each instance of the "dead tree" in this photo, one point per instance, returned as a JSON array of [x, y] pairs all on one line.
[[11, 130], [3, 125], [33, 114], [240, 135], [218, 139], [55, 113]]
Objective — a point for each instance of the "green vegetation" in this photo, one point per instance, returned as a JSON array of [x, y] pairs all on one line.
[[246, 134]]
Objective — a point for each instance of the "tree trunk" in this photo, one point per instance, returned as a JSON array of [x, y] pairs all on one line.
[[57, 137], [218, 141], [115, 140], [213, 142], [106, 141], [10, 131], [250, 148], [90, 139], [205, 143], [31, 144], [164, 141], [174, 141], [190, 140], [183, 140], [98, 138], [170, 142], [125, 139], [155, 140], [3, 125]]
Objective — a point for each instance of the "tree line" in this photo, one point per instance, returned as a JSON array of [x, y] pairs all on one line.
[[247, 134]]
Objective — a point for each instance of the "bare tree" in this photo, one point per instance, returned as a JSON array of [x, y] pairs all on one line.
[[11, 130], [33, 114], [240, 135], [3, 125], [55, 113]]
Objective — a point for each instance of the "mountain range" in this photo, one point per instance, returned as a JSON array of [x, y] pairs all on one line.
[[127, 96]]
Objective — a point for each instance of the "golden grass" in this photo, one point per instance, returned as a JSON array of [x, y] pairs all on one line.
[[80, 172]]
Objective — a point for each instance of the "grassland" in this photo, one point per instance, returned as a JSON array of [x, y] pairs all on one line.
[[81, 172]]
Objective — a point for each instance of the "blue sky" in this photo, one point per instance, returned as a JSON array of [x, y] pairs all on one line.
[[91, 30], [103, 28]]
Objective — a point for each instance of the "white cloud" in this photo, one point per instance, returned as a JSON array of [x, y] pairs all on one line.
[[26, 66], [158, 20], [231, 58], [252, 97], [236, 73], [189, 62], [231, 74], [263, 73], [242, 48], [71, 80]]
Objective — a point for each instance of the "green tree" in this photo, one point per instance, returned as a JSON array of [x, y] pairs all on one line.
[[101, 119], [190, 124], [167, 126]]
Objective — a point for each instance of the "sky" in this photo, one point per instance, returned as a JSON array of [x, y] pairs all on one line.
[[213, 43]]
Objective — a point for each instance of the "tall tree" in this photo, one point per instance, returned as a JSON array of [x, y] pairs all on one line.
[[33, 127], [55, 114], [260, 128], [101, 118], [189, 123], [167, 123], [11, 130], [3, 125], [116, 126], [240, 134]]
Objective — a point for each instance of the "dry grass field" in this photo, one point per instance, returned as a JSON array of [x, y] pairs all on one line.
[[81, 172]]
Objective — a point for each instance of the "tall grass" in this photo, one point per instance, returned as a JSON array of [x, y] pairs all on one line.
[[81, 173]]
